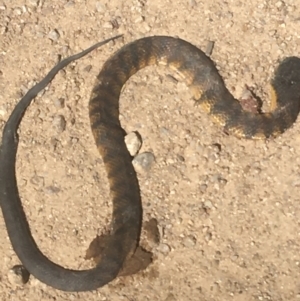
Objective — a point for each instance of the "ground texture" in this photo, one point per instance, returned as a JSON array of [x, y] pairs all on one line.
[[227, 209]]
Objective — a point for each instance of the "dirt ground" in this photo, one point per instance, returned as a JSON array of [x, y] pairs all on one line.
[[227, 209]]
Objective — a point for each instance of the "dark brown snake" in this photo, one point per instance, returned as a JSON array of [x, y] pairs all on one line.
[[201, 75]]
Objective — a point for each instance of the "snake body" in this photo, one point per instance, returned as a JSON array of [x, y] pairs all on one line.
[[200, 74]]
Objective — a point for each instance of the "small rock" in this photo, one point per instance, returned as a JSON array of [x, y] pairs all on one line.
[[33, 2], [107, 25], [203, 187], [209, 48], [74, 140], [22, 182], [164, 248], [189, 241], [18, 11], [133, 142], [88, 68], [143, 162], [37, 181], [70, 4], [217, 147], [146, 27], [54, 35], [139, 19], [53, 144], [248, 101], [2, 111], [23, 89], [59, 103], [59, 123], [3, 30], [207, 205], [222, 182], [99, 7], [180, 158], [208, 236], [170, 298], [52, 189], [18, 275]]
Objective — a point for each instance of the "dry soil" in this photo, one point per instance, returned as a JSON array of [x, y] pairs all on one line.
[[227, 209]]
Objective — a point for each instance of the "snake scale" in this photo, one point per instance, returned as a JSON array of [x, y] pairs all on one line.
[[200, 74]]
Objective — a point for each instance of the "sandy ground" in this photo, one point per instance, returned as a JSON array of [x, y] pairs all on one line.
[[228, 209]]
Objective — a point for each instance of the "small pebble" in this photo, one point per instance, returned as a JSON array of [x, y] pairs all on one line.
[[59, 123], [99, 7], [59, 103], [18, 275], [107, 25], [208, 236], [209, 48], [208, 205], [70, 4], [2, 111], [143, 162], [164, 248], [192, 3], [222, 182], [139, 19], [170, 298], [216, 147], [133, 142], [18, 11], [74, 141], [180, 158], [88, 68], [146, 27], [3, 30], [33, 2], [37, 180], [22, 182], [52, 190], [53, 35], [203, 187], [189, 241]]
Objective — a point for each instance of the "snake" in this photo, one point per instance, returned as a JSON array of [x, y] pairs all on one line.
[[201, 75]]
